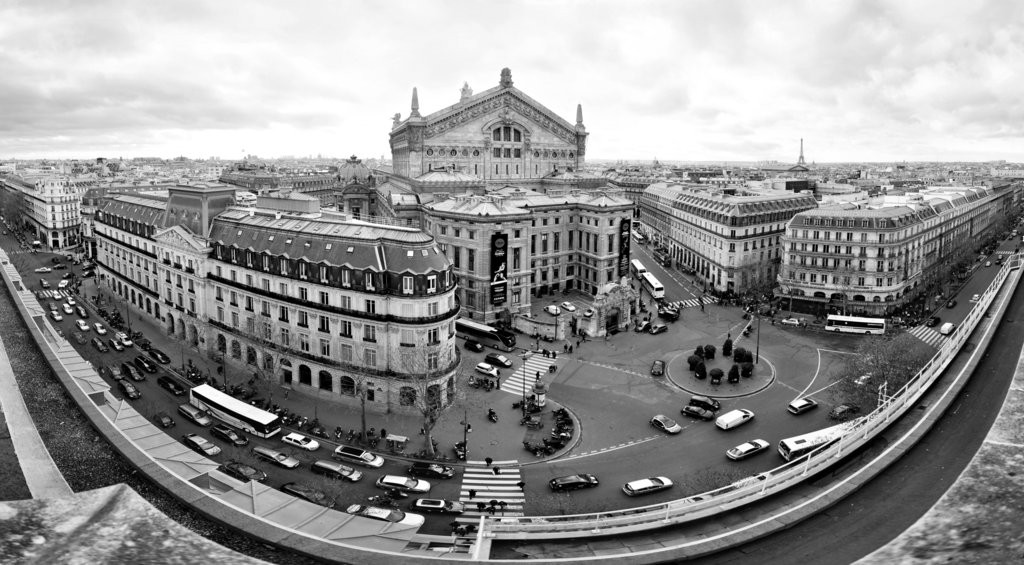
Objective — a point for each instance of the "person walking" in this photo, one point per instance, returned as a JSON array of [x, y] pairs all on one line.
[[496, 470], [521, 485], [488, 461], [472, 494]]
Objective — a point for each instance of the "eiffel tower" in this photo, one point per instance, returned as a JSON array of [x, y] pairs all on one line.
[[801, 161]]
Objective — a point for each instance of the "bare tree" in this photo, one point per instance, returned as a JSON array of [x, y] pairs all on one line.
[[422, 393], [892, 360]]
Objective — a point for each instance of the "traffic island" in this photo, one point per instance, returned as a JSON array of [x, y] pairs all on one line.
[[752, 374]]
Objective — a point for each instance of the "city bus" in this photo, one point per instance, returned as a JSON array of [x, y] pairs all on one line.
[[231, 410], [486, 335], [637, 268], [652, 285], [796, 447], [638, 237], [855, 325]]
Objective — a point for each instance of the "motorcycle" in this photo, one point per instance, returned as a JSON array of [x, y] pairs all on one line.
[[460, 451], [492, 415], [383, 500]]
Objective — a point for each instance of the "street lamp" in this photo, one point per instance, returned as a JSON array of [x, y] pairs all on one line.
[[526, 355], [757, 355], [465, 433]]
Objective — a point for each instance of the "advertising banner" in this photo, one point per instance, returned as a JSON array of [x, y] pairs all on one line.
[[499, 269], [625, 229]]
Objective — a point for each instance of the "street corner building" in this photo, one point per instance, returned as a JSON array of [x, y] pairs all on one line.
[[334, 307]]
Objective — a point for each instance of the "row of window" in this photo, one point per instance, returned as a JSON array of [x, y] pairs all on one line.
[[840, 280]]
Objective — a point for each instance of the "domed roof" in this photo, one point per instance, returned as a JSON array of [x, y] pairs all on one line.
[[353, 170]]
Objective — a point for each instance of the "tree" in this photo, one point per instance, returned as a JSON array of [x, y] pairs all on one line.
[[727, 348], [699, 352], [747, 369], [260, 358], [734, 373], [892, 360], [426, 396], [692, 360], [709, 351], [716, 373], [739, 354], [702, 371]]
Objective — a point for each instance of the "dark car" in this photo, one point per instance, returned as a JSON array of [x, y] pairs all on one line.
[[82, 312], [159, 356], [643, 327], [164, 420], [99, 345], [697, 412], [229, 434], [933, 321], [844, 411], [498, 359], [80, 338], [309, 494], [129, 389], [131, 372], [433, 470], [145, 364], [474, 345], [573, 482], [60, 266], [951, 303], [705, 402], [658, 328], [658, 368], [669, 314], [171, 385], [242, 472]]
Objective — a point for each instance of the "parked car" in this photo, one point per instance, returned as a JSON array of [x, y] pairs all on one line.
[[44, 270], [658, 368], [438, 506], [932, 321], [643, 327], [568, 306], [670, 314], [195, 415], [309, 494], [82, 312], [229, 434], [744, 450], [658, 328], [431, 470], [302, 442], [124, 339], [552, 309], [129, 371], [666, 424], [99, 328], [975, 297], [79, 338], [145, 364], [498, 359], [573, 482], [56, 316], [159, 356], [404, 484], [105, 372], [392, 515], [275, 457], [474, 345], [81, 325], [200, 444], [114, 344], [844, 411], [335, 470], [790, 321], [734, 419], [705, 402], [487, 369], [646, 486], [67, 309], [358, 456], [164, 420], [242, 472], [697, 412], [129, 389], [589, 312], [801, 405], [171, 385], [951, 304]]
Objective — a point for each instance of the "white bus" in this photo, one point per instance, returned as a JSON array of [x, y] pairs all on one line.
[[637, 267], [652, 285], [231, 410], [486, 335], [796, 447], [855, 325], [638, 237]]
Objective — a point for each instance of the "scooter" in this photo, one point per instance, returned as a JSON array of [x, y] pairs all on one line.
[[492, 415]]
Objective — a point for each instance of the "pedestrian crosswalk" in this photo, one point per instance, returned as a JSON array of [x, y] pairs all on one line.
[[524, 377], [1004, 253], [693, 302], [504, 491], [928, 335]]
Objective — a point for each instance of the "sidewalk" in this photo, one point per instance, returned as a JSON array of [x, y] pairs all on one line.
[[41, 474], [501, 441]]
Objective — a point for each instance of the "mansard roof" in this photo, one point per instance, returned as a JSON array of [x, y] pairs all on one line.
[[144, 210]]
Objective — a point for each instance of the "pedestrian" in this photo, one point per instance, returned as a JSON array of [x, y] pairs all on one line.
[[453, 525], [538, 374], [383, 433], [570, 349], [496, 470], [480, 506], [488, 460], [502, 504], [423, 432], [493, 502], [521, 485], [472, 493], [491, 510]]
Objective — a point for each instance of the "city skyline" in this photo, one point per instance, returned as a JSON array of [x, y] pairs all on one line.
[[686, 81]]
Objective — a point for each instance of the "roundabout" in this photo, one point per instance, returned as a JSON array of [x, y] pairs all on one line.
[[747, 386]]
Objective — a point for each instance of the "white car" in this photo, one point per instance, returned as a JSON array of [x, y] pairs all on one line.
[[100, 329], [553, 310], [404, 484], [72, 301], [124, 339], [43, 270], [745, 450], [791, 322], [646, 486], [67, 309], [588, 313], [301, 441], [801, 405], [392, 515], [82, 325], [569, 306], [487, 369], [63, 284], [56, 316], [666, 424]]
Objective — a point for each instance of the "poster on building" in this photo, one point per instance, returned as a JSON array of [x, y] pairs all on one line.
[[499, 269], [625, 227]]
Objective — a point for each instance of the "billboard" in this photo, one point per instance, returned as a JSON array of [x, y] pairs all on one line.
[[499, 268], [625, 228]]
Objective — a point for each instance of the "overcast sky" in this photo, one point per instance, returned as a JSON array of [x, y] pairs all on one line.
[[673, 80]]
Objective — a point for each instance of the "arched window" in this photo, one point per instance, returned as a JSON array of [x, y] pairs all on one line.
[[325, 380], [347, 385], [407, 396], [250, 355], [508, 142], [222, 344], [236, 350], [305, 375]]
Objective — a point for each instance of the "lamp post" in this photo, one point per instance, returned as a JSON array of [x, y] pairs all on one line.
[[757, 355], [465, 432], [526, 355]]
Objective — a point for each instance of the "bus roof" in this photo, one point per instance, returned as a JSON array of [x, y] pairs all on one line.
[[827, 434], [474, 324], [241, 408], [853, 318]]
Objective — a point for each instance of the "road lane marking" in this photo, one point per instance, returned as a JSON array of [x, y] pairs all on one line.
[[611, 448]]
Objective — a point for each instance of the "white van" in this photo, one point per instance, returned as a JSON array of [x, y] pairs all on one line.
[[947, 328], [734, 418]]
